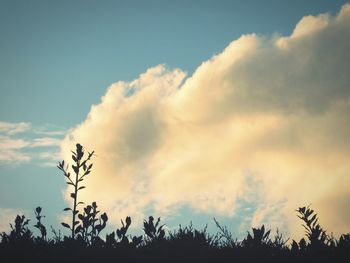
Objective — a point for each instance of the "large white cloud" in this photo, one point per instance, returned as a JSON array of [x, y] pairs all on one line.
[[264, 121]]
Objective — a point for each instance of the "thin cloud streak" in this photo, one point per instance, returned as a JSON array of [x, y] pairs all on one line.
[[14, 128]]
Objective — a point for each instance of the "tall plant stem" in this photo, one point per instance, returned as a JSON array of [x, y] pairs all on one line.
[[75, 198]]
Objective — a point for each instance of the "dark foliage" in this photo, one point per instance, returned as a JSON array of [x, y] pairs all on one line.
[[186, 244]]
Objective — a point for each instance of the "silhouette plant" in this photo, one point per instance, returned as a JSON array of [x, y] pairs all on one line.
[[39, 225], [81, 168], [226, 235], [122, 237], [90, 225], [278, 241], [136, 241], [121, 233], [190, 238], [110, 240], [21, 226], [344, 241], [183, 245], [153, 231], [19, 232], [259, 238], [314, 232], [57, 238]]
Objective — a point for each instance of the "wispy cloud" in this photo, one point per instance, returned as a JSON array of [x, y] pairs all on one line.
[[45, 142], [50, 133], [266, 119], [13, 157], [11, 150], [19, 143], [49, 130], [7, 142], [14, 128], [49, 158]]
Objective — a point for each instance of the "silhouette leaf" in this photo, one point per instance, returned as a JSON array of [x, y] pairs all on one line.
[[78, 229], [66, 225], [75, 169]]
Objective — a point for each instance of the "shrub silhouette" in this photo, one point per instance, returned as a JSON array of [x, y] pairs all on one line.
[[314, 232], [344, 242], [278, 242], [189, 238], [20, 234], [225, 236], [90, 225], [153, 231], [121, 233], [259, 238], [122, 239]]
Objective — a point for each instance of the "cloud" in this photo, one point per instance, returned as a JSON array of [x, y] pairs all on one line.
[[49, 158], [14, 128], [45, 142], [265, 121], [50, 133], [10, 150], [9, 143], [19, 143]]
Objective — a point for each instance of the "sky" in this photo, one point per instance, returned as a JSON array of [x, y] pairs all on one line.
[[234, 109]]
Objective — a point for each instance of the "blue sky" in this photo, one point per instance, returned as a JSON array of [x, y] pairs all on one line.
[[57, 59], [55, 52]]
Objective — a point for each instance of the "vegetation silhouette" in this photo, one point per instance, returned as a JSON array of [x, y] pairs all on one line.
[[186, 244], [79, 177]]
